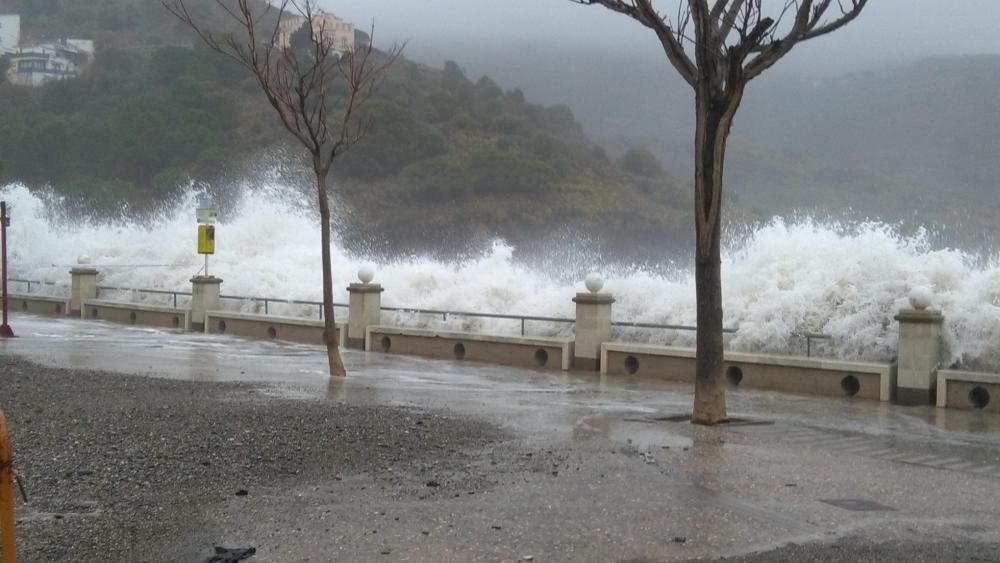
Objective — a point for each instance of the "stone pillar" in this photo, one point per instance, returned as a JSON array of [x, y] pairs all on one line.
[[83, 287], [593, 324], [365, 311], [365, 307], [205, 291], [919, 351]]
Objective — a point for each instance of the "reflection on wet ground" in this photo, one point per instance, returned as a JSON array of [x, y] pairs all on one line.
[[581, 404], [639, 469]]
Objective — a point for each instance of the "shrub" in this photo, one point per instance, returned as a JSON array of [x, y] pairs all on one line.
[[641, 162]]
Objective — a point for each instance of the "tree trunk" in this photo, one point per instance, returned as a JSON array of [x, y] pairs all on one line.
[[330, 332], [715, 118]]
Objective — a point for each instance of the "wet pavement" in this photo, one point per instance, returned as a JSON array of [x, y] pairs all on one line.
[[630, 482]]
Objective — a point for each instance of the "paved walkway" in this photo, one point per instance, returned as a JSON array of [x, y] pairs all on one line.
[[621, 481]]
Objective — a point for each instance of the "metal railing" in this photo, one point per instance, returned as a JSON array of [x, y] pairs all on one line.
[[173, 294], [526, 318], [626, 324], [36, 282], [444, 314], [810, 336], [268, 300]]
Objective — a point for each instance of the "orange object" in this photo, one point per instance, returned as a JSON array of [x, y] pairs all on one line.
[[8, 548]]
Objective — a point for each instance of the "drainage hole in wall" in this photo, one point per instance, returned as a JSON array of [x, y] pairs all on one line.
[[132, 317], [541, 357], [850, 386], [631, 365], [58, 309], [979, 397], [386, 343], [734, 375], [222, 327], [93, 313], [459, 351], [272, 333], [24, 305], [177, 322]]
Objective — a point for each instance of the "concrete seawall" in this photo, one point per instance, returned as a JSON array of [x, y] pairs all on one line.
[[38, 304], [918, 380], [137, 314], [537, 352], [270, 327], [812, 376]]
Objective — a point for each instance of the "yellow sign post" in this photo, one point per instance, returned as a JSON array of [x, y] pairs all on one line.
[[206, 216], [7, 545], [206, 239], [206, 242]]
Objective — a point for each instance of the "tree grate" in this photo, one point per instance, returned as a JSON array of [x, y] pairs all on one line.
[[858, 505], [734, 421]]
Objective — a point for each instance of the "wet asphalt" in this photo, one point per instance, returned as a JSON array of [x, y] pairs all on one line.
[[145, 445]]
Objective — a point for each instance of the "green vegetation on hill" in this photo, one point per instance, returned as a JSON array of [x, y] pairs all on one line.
[[131, 128], [445, 151], [136, 24]]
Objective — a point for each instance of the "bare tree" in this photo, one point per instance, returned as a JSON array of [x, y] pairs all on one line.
[[718, 46], [318, 93]]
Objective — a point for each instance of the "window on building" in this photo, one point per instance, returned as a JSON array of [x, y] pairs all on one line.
[[30, 65]]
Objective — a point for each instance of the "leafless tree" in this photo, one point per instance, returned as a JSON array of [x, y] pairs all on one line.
[[718, 47], [318, 92]]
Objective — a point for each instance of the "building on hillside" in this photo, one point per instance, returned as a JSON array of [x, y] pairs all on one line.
[[340, 33], [10, 32], [362, 40], [41, 63]]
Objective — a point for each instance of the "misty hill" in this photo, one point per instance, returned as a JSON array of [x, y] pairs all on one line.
[[890, 142], [450, 158], [110, 23], [934, 124], [915, 143]]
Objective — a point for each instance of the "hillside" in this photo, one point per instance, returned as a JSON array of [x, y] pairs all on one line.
[[899, 142], [933, 124], [111, 23], [451, 159]]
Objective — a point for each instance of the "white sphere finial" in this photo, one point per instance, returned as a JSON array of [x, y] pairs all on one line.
[[921, 297], [366, 273], [83, 259], [594, 282]]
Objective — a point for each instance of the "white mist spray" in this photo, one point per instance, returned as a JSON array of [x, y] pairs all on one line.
[[847, 281]]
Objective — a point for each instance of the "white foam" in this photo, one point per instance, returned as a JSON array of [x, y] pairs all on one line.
[[845, 280]]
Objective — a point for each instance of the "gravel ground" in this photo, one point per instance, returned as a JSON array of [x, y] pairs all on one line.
[[856, 550], [125, 468]]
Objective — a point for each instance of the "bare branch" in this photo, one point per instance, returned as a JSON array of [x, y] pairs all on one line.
[[726, 34], [848, 14], [728, 20], [808, 25], [643, 12], [301, 85]]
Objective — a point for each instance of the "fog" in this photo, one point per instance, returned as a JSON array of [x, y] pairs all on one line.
[[890, 117], [888, 31]]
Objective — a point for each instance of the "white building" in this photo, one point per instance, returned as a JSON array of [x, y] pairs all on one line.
[[338, 32], [43, 62], [36, 65], [10, 32]]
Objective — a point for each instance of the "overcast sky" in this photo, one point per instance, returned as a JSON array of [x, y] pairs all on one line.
[[888, 30]]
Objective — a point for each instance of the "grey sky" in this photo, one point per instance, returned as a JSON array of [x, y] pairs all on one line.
[[888, 31]]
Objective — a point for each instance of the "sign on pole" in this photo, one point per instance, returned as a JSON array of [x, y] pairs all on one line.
[[207, 215]]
